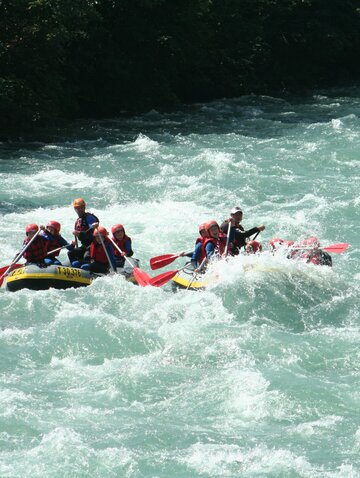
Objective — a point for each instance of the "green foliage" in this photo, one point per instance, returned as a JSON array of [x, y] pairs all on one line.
[[66, 58]]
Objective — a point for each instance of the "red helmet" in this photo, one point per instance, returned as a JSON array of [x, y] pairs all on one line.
[[100, 231], [253, 246], [79, 202], [117, 227], [56, 225], [209, 225], [275, 241], [202, 227], [31, 227]]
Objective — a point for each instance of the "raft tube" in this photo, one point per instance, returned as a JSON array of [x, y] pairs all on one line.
[[42, 278], [186, 279]]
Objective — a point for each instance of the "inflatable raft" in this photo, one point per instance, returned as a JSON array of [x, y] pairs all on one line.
[[187, 279], [33, 277], [41, 278]]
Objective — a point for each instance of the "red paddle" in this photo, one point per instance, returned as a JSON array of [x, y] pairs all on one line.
[[163, 278], [141, 276], [334, 248], [337, 248], [162, 261]]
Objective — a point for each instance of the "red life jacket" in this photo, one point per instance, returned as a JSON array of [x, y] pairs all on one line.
[[53, 243], [121, 245], [37, 250], [81, 224], [219, 245], [97, 251]]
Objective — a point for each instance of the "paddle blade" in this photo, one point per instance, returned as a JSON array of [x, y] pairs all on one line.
[[141, 277], [337, 248], [163, 278], [4, 269], [162, 261]]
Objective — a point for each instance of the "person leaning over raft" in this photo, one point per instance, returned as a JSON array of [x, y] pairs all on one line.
[[123, 242], [37, 250], [99, 261], [83, 230], [240, 235], [310, 251], [55, 241]]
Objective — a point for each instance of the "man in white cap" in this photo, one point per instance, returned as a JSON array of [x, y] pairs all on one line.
[[241, 236]]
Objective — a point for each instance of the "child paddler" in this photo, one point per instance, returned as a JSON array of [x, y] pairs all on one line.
[[196, 255], [54, 241], [101, 252], [124, 244], [214, 244], [37, 250]]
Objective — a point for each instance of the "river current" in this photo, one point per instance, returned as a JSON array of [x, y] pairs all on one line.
[[259, 375]]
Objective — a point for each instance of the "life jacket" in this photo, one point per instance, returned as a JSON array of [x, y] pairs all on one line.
[[121, 245], [219, 245], [82, 225], [97, 252], [199, 239], [37, 250], [53, 242]]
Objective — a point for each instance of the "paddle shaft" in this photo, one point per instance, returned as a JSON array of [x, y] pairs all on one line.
[[195, 275], [227, 239], [57, 249], [106, 253], [121, 252], [19, 256]]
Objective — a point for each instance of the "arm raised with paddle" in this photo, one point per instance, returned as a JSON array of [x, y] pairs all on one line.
[[141, 276], [7, 269]]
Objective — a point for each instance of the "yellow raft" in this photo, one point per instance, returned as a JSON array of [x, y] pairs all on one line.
[[34, 277], [41, 278], [187, 279]]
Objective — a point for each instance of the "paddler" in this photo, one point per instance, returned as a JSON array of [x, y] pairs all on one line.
[[101, 252], [55, 242], [124, 244], [215, 243], [197, 254], [241, 236], [310, 251], [37, 250], [83, 232]]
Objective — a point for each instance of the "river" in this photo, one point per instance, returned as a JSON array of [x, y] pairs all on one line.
[[258, 376]]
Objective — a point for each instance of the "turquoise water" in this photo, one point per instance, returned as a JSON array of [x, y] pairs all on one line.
[[258, 376]]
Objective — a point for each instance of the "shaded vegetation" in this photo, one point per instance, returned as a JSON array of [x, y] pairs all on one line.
[[71, 58]]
